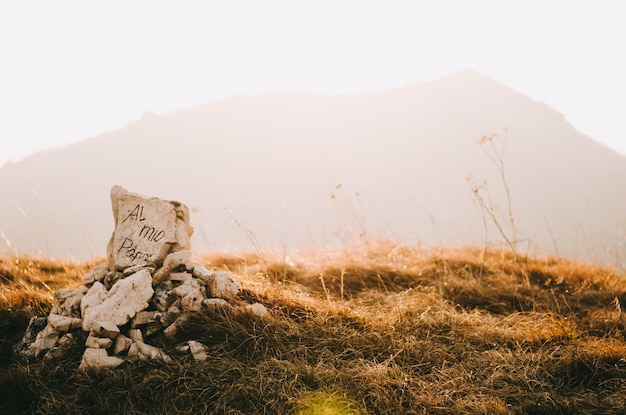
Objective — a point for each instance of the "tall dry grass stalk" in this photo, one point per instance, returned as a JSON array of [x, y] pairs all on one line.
[[482, 195]]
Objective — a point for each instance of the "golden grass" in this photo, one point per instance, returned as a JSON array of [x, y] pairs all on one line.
[[28, 284], [378, 328]]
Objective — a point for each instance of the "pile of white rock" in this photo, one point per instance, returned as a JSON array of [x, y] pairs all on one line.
[[148, 287]]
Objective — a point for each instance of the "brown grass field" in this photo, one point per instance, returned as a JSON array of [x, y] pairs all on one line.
[[377, 328]]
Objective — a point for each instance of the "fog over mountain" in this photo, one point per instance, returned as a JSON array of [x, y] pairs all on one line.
[[304, 169]]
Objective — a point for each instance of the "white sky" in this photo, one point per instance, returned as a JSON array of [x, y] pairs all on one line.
[[72, 69]]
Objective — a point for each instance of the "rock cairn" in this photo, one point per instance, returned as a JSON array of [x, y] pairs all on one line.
[[148, 286]]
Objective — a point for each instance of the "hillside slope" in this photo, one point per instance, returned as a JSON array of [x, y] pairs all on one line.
[[303, 169]]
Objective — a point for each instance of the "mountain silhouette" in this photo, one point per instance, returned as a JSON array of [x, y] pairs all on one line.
[[294, 170]]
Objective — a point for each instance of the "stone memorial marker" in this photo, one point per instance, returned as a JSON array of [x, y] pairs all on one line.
[[146, 229], [146, 291]]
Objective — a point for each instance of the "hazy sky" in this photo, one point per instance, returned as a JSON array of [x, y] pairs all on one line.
[[72, 69]]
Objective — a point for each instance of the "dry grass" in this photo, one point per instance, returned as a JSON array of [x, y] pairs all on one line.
[[28, 284], [378, 328]]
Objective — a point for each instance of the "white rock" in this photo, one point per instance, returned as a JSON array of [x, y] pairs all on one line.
[[94, 297], [204, 275], [100, 271], [72, 305], [46, 339], [192, 303], [63, 323], [65, 293], [198, 350], [190, 295], [160, 275], [142, 318], [177, 259], [89, 279], [179, 276], [188, 286], [67, 302], [146, 229], [135, 335], [171, 331], [133, 350], [160, 299], [36, 325], [98, 342], [257, 309], [131, 270], [97, 274], [183, 348], [122, 344], [184, 230], [151, 352], [98, 359], [122, 302], [223, 286], [105, 329]]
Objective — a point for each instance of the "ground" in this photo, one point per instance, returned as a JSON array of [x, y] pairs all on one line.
[[374, 328]]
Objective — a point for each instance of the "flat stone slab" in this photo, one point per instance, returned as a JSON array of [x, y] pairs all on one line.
[[146, 229], [125, 299]]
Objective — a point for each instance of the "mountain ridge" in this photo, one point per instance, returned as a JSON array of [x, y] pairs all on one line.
[[274, 162]]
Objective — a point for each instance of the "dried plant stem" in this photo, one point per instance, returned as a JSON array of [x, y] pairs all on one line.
[[250, 236], [496, 156]]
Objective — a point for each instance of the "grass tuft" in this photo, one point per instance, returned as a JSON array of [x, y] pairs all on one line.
[[324, 403]]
